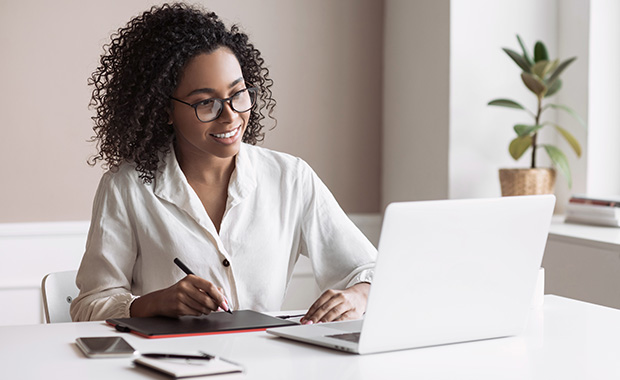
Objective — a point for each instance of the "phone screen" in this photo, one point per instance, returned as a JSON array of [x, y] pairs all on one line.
[[107, 346]]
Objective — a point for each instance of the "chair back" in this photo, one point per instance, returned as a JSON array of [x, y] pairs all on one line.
[[58, 290]]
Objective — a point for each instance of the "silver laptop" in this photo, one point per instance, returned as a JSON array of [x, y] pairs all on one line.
[[447, 271]]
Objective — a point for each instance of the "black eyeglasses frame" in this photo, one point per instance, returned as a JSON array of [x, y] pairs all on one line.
[[251, 90]]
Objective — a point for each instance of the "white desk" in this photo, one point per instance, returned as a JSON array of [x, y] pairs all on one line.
[[569, 340]]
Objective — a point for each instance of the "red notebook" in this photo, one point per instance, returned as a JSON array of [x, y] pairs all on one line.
[[214, 323]]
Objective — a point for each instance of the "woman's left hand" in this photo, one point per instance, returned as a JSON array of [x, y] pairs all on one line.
[[339, 305]]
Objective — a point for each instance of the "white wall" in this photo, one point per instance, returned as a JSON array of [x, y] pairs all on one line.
[[574, 41], [603, 165], [426, 156], [442, 64], [479, 72], [30, 251], [589, 29]]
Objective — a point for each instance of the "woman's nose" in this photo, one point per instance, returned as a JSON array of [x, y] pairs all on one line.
[[228, 113]]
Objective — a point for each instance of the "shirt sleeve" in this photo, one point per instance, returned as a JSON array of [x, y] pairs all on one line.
[[340, 253], [104, 276]]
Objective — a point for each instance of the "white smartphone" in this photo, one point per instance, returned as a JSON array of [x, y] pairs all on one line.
[[105, 347]]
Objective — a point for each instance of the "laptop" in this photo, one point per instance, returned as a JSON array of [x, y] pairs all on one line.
[[447, 271]]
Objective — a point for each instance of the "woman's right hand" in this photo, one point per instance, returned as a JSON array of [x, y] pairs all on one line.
[[190, 296]]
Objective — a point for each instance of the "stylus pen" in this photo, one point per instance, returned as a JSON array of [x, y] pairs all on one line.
[[177, 356], [188, 271], [289, 316]]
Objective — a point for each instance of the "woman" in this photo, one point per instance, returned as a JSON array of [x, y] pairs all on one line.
[[179, 100]]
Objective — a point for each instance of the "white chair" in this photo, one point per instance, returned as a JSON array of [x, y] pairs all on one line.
[[58, 290]]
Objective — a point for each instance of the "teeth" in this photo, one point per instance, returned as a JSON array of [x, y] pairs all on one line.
[[226, 135]]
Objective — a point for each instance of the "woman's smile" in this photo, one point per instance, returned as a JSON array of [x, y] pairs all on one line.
[[229, 137]]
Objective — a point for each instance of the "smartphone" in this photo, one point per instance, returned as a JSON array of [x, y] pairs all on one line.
[[105, 347]]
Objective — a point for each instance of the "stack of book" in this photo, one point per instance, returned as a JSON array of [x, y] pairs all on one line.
[[601, 211]]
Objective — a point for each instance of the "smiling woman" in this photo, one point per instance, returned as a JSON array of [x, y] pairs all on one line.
[[133, 87], [213, 129], [180, 101]]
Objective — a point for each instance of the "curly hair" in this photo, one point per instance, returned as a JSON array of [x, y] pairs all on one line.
[[139, 71]]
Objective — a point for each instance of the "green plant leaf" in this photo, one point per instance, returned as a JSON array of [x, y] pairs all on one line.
[[519, 145], [561, 67], [506, 103], [555, 87], [518, 59], [526, 56], [560, 161], [567, 109], [540, 69], [525, 130], [533, 84], [554, 65], [572, 141], [540, 52], [549, 67]]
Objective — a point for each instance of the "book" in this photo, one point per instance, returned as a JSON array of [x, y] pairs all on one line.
[[180, 369], [592, 210], [610, 201], [593, 220], [214, 323]]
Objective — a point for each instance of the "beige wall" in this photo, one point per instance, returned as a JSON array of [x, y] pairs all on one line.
[[416, 118], [325, 57]]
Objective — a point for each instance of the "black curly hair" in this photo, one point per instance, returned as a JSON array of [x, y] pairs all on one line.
[[139, 71]]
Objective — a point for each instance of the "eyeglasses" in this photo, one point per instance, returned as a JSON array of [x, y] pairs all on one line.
[[210, 109]]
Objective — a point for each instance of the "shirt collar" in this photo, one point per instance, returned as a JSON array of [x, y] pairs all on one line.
[[243, 179], [171, 184]]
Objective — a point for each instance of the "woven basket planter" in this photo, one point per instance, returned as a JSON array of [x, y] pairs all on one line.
[[527, 181]]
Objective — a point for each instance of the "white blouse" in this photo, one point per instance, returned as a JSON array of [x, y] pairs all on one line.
[[277, 208]]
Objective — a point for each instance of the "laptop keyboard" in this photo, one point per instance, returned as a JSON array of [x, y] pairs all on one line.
[[349, 337]]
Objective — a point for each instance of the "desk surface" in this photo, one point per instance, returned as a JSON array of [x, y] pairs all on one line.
[[565, 339]]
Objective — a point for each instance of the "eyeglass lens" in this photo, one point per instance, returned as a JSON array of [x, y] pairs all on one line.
[[211, 109]]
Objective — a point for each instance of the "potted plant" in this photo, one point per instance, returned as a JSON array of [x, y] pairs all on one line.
[[542, 77]]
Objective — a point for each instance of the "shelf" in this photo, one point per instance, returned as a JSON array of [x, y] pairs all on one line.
[[595, 236]]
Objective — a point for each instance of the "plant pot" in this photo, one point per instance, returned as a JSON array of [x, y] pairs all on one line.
[[527, 181]]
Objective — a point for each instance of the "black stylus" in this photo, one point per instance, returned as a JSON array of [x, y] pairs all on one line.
[[188, 271], [289, 316], [177, 356]]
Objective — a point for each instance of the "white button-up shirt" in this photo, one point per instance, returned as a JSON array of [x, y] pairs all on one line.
[[277, 208]]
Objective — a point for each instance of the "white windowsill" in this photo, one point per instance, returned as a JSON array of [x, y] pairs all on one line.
[[595, 236]]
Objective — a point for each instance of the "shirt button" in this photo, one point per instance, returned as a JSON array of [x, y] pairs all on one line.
[[226, 263]]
